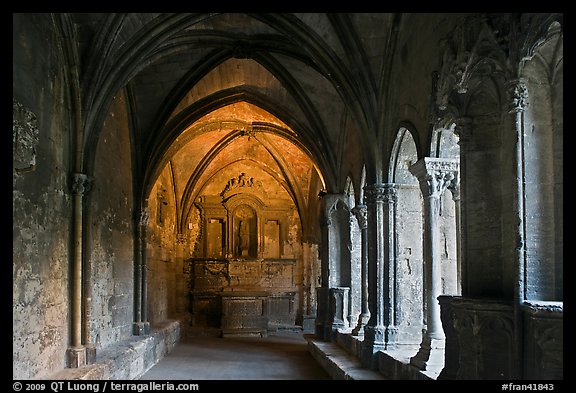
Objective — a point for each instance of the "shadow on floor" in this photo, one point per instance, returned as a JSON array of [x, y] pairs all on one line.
[[283, 356]]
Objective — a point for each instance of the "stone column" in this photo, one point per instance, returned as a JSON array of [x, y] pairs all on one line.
[[454, 188], [518, 95], [374, 331], [463, 130], [390, 306], [180, 289], [322, 312], [141, 326], [434, 176], [76, 354], [518, 101], [360, 212]]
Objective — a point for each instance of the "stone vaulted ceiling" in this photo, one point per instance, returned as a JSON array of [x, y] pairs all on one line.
[[277, 92]]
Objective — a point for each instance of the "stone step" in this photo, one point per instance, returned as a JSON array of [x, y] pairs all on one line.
[[338, 363]]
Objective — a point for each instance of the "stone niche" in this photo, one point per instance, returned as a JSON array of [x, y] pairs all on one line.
[[241, 281]]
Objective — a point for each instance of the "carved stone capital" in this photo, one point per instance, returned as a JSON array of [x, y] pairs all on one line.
[[517, 95], [390, 193], [374, 193], [435, 174], [454, 187], [142, 217], [181, 238], [361, 213], [81, 184]]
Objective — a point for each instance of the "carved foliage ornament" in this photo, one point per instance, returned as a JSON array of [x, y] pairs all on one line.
[[518, 96], [435, 175], [381, 193], [475, 41], [361, 213]]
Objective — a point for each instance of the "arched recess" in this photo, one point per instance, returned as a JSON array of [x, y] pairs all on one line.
[[355, 257], [236, 165], [485, 192], [444, 144], [543, 169], [408, 240]]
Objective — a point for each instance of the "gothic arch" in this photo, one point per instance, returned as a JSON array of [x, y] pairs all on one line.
[[408, 240]]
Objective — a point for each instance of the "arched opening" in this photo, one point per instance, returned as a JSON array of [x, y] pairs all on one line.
[[241, 186], [445, 146], [408, 237]]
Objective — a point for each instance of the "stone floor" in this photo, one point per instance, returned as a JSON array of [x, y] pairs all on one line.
[[282, 356]]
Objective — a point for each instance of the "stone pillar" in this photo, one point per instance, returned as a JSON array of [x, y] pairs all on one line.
[[374, 331], [76, 354], [454, 188], [141, 325], [180, 285], [390, 306], [518, 101], [360, 212], [434, 176], [518, 95], [322, 312], [463, 130]]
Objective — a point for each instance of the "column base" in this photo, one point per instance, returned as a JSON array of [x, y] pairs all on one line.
[[374, 341], [362, 321], [76, 357], [141, 328], [430, 355], [90, 353]]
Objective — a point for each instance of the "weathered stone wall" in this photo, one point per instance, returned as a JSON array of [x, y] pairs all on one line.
[[164, 289], [110, 230], [448, 254], [409, 264], [41, 205]]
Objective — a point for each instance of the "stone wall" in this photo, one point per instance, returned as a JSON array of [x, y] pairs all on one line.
[[41, 204], [110, 232]]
